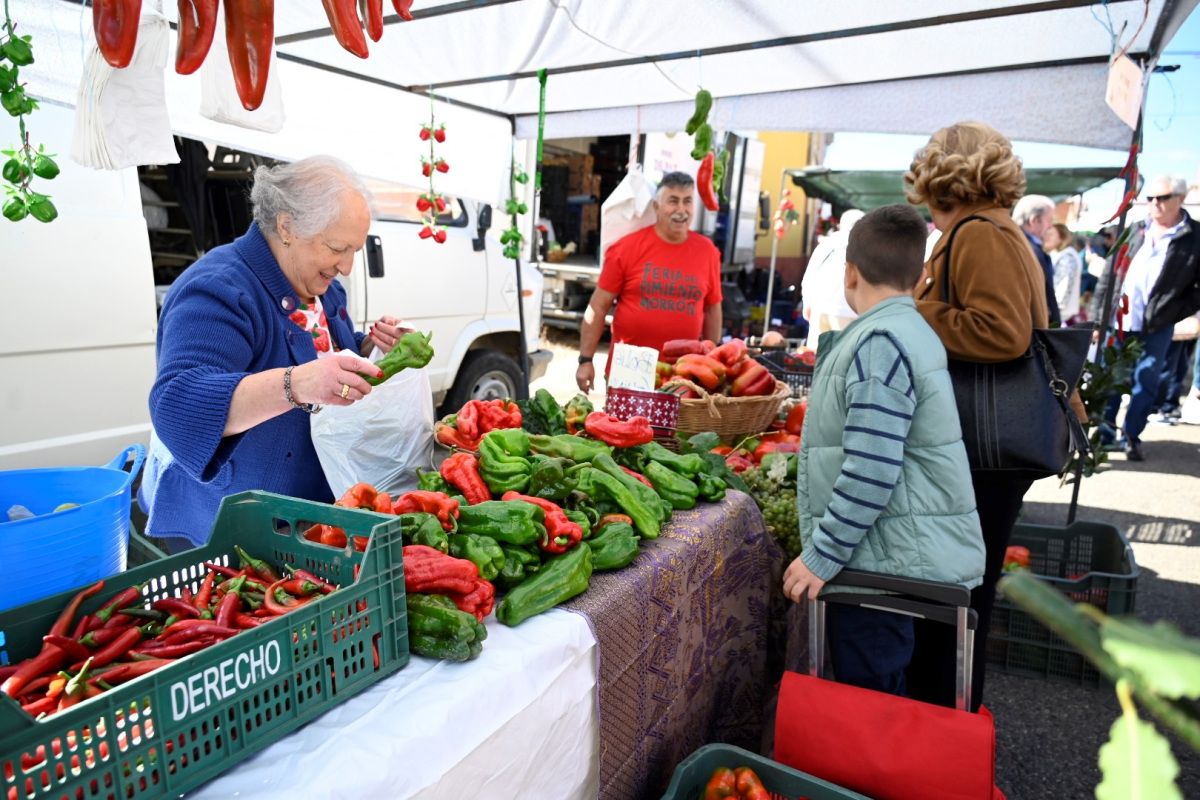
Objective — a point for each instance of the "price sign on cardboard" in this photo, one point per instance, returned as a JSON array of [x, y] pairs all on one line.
[[632, 367], [1124, 91]]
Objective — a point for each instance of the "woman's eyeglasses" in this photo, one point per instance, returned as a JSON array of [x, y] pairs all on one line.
[[1159, 198]]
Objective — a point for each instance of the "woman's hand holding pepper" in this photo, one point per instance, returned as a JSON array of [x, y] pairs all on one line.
[[321, 381], [384, 334]]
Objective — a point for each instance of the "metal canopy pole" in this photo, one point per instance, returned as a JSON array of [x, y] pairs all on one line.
[[774, 254]]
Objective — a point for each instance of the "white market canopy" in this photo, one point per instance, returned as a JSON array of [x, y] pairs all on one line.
[[1035, 70]]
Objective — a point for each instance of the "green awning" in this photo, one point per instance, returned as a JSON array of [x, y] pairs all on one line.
[[867, 189]]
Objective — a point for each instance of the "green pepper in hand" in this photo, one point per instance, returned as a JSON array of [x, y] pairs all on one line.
[[413, 351]]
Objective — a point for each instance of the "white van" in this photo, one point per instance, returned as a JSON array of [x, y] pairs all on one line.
[[77, 338]]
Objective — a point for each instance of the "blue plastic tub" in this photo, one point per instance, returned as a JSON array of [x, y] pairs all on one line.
[[59, 550]]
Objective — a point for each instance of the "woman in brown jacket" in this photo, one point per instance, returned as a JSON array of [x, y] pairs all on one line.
[[997, 297]]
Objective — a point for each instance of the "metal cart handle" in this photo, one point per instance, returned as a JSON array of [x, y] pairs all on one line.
[[940, 602]]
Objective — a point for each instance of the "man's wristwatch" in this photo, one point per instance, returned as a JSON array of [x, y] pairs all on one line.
[[585, 360]]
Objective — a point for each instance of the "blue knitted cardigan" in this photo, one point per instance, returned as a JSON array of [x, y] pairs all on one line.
[[226, 318]]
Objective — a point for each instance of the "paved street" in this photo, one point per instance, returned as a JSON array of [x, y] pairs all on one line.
[[1048, 733]]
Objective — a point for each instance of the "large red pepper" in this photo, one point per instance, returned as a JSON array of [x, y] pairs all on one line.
[[116, 25], [749, 786], [372, 15], [404, 9], [704, 370], [343, 20], [618, 433], [197, 24], [461, 471], [675, 348], [722, 784], [753, 380], [499, 415], [729, 353], [479, 601], [704, 182], [250, 36], [431, 571], [450, 436], [561, 533], [795, 417], [444, 507]]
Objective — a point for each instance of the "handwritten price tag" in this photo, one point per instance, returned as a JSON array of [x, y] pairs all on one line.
[[632, 367]]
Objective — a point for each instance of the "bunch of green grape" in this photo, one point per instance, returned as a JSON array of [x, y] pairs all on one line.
[[776, 498]]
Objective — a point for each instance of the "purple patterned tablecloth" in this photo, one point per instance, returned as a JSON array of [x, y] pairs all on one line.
[[683, 636]]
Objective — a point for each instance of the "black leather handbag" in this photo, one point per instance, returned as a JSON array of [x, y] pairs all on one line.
[[1016, 415]]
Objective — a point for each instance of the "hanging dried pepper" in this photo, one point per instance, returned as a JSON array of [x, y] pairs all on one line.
[[197, 24], [343, 21], [116, 26], [249, 36], [372, 15], [704, 182], [403, 8]]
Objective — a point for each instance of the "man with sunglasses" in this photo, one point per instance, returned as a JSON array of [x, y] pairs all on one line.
[[1160, 287]]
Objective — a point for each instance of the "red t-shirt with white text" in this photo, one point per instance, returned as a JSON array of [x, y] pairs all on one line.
[[662, 288]]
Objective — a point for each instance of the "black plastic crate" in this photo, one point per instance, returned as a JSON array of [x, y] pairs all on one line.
[[1089, 562], [799, 380]]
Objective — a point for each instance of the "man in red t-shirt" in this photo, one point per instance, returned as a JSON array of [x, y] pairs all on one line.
[[665, 280]]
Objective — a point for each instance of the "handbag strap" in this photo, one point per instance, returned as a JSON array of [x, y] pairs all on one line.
[[1062, 393], [946, 252]]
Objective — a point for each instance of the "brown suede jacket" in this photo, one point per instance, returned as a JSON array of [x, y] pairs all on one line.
[[997, 290]]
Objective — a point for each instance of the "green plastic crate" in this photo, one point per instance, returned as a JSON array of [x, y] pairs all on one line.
[[784, 783], [1089, 562], [174, 729]]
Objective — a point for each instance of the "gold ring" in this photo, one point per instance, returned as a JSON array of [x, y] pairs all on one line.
[[345, 390]]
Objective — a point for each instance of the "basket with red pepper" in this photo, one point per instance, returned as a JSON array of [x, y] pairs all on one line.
[[296, 626]]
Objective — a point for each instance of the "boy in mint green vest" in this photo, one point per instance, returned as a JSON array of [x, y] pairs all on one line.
[[883, 482]]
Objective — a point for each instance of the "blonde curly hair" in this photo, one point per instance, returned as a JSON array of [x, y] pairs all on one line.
[[966, 163]]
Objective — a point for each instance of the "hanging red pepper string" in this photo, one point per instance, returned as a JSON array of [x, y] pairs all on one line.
[[432, 204]]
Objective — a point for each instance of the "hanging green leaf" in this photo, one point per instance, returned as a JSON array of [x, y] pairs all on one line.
[[1137, 763], [1164, 658]]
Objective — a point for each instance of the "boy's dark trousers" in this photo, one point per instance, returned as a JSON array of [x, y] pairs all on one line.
[[869, 648]]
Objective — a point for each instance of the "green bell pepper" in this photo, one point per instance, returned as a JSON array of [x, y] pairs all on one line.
[[581, 519], [677, 490], [512, 523], [690, 465], [549, 479], [482, 551], [645, 517], [411, 351], [438, 629], [421, 528], [432, 481], [576, 411], [572, 448], [614, 547], [502, 462], [712, 488], [560, 579], [644, 494]]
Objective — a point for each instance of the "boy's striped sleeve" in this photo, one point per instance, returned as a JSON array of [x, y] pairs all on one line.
[[881, 399]]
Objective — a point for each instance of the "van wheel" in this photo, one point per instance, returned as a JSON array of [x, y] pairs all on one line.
[[484, 375]]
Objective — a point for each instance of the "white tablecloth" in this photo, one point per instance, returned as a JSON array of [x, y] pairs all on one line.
[[519, 721]]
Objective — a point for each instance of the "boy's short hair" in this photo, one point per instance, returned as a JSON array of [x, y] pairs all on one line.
[[888, 246]]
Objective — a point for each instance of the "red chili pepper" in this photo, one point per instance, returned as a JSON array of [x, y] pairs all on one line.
[[39, 707], [426, 168], [436, 503], [175, 606], [403, 9], [461, 471], [123, 673], [304, 575], [439, 136], [425, 134], [118, 648], [441, 166], [250, 36], [343, 21], [561, 532], [440, 202], [228, 572], [204, 629], [67, 615], [423, 203], [704, 182], [74, 650], [102, 637], [278, 601], [204, 596], [180, 650], [372, 14], [122, 599], [244, 621], [300, 587], [618, 433], [229, 606], [116, 26], [82, 626], [197, 24]]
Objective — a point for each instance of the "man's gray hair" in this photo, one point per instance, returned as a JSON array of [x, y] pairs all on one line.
[[309, 191], [1030, 207], [675, 180], [1179, 186]]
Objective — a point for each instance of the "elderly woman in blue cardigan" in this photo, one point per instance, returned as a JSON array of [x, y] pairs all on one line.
[[253, 338]]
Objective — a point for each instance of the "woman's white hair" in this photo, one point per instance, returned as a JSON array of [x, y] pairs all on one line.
[[309, 191]]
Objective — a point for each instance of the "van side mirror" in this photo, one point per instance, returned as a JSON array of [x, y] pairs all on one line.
[[374, 257], [764, 211], [484, 225]]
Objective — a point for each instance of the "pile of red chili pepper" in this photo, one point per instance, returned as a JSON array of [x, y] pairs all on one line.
[[127, 638], [464, 429]]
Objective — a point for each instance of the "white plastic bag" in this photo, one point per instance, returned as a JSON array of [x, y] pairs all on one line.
[[218, 95], [381, 439], [629, 208]]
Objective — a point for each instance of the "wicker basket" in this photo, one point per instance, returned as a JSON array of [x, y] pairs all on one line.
[[730, 416]]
